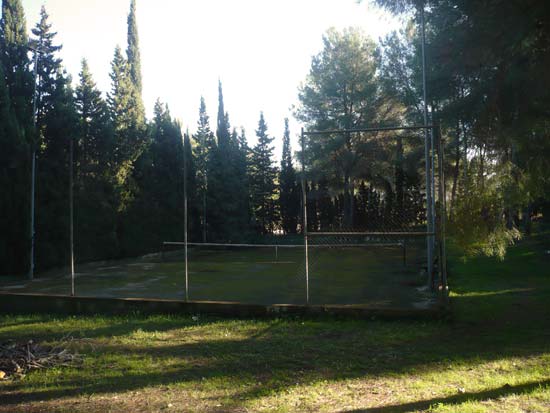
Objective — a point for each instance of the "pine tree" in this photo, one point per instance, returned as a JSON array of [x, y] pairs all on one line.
[[289, 202], [263, 177]]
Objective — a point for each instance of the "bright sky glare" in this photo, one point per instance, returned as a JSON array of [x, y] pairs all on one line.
[[260, 49]]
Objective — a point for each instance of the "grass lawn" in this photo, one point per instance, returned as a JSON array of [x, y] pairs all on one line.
[[494, 356], [370, 275]]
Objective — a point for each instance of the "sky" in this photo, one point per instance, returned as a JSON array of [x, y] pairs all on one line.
[[260, 49]]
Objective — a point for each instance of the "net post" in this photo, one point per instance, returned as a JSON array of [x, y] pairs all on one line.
[[404, 246], [304, 206], [185, 216]]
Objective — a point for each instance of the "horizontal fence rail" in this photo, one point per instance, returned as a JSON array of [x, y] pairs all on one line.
[[378, 234], [380, 129]]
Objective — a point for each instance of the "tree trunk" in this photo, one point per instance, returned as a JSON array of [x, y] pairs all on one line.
[[347, 215], [204, 216]]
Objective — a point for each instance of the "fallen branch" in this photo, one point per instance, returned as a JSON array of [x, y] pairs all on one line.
[[16, 359]]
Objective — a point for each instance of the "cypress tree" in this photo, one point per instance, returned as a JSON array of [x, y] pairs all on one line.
[[57, 125], [228, 219], [49, 65], [134, 58], [134, 67], [239, 181], [193, 201], [95, 141], [95, 220], [14, 50], [13, 217], [118, 99], [263, 176], [289, 201], [202, 150], [17, 135], [223, 127]]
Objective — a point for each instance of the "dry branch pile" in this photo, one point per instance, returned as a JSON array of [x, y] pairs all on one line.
[[17, 359]]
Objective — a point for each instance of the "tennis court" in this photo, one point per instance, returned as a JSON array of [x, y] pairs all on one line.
[[369, 275]]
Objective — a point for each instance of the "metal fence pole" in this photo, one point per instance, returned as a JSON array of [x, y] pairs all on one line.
[[443, 214], [429, 210], [71, 210], [185, 218], [33, 165], [433, 192], [304, 203]]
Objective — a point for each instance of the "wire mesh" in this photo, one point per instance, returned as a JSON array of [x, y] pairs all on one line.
[[367, 188]]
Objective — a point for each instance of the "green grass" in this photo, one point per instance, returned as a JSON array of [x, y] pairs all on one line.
[[374, 275], [494, 356]]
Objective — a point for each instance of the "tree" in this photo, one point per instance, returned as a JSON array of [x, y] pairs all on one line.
[[95, 137], [57, 125], [289, 200], [49, 64], [12, 179], [342, 92], [14, 50], [95, 219], [492, 101], [130, 135], [228, 215], [202, 151], [134, 58], [263, 177], [223, 127], [134, 65], [16, 137]]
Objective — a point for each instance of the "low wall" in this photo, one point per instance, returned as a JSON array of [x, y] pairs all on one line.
[[14, 303]]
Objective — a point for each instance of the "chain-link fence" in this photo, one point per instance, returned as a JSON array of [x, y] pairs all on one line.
[[366, 233]]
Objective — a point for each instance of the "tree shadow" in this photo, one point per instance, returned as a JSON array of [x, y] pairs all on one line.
[[117, 327], [422, 405]]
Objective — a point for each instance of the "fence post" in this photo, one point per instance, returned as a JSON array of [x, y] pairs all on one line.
[[442, 214], [304, 203]]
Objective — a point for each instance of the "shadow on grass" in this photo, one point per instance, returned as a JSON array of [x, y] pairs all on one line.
[[460, 398], [284, 354]]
